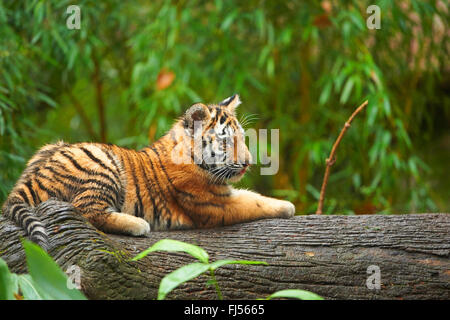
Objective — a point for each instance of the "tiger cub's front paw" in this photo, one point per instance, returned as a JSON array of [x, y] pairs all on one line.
[[140, 227], [286, 209]]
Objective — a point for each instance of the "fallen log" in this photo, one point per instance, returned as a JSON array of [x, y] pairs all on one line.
[[328, 255]]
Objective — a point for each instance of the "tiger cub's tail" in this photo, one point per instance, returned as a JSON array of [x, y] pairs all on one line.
[[23, 214]]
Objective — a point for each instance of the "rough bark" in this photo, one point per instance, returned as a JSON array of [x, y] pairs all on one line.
[[328, 255]]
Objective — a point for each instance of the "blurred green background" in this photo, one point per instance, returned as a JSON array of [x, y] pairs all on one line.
[[300, 66]]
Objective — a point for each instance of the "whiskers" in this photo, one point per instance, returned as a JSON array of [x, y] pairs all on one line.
[[221, 174], [247, 119]]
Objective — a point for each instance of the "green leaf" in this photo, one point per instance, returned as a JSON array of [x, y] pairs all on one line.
[[43, 97], [29, 289], [220, 263], [47, 274], [387, 106], [229, 20], [413, 167], [7, 285], [57, 37], [347, 90], [179, 276], [356, 180], [325, 94], [260, 21], [295, 294], [175, 246], [314, 192]]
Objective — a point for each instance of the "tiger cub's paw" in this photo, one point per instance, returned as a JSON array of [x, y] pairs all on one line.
[[285, 209], [140, 227]]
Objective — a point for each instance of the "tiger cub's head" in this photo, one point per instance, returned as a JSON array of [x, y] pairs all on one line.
[[218, 140]]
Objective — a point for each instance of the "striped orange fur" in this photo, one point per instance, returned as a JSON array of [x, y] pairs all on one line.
[[132, 192]]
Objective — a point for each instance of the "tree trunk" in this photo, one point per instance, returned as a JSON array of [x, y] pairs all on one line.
[[328, 255]]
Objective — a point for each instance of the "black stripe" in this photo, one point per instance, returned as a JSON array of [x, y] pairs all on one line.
[[58, 164], [33, 194], [151, 191], [69, 188], [137, 213], [110, 157], [162, 195], [100, 194], [220, 194], [50, 193], [162, 204], [136, 185], [205, 204], [99, 162], [114, 161], [43, 176], [223, 118], [91, 204], [98, 197], [78, 189], [216, 117], [82, 181], [158, 184], [35, 163], [33, 166], [79, 167], [227, 101], [53, 181], [24, 196]]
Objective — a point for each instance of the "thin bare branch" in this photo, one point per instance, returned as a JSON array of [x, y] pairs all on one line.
[[332, 158]]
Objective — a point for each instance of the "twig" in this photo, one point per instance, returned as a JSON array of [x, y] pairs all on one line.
[[332, 159]]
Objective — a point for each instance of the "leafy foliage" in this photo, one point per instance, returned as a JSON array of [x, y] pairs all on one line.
[[45, 281], [190, 271], [300, 66]]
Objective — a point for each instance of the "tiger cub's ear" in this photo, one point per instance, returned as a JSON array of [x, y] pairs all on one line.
[[198, 112], [231, 102]]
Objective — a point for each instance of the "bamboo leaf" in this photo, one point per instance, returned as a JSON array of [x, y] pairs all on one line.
[[175, 246], [347, 90], [179, 276]]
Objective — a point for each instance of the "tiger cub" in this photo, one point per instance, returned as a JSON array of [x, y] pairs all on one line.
[[168, 185]]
